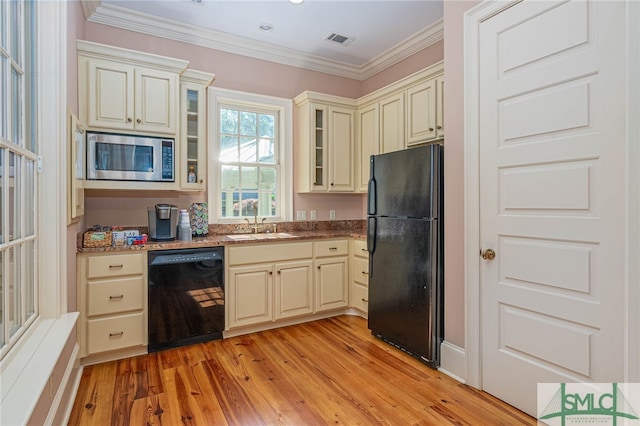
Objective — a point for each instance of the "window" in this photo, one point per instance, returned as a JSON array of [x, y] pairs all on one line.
[[250, 172], [18, 159]]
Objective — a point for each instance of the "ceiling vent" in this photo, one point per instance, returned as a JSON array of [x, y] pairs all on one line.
[[340, 39]]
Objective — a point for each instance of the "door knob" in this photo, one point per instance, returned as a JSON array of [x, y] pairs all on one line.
[[488, 254]]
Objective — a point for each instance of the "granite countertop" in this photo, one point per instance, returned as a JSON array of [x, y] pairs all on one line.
[[224, 235]]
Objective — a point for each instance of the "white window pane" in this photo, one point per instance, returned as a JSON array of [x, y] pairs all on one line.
[[248, 123], [267, 123], [228, 121], [248, 149], [14, 196], [16, 107], [29, 202], [249, 178], [15, 20], [3, 89], [29, 279], [3, 32], [267, 179], [14, 281]]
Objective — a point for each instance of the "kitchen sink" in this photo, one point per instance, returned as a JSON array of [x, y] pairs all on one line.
[[261, 236]]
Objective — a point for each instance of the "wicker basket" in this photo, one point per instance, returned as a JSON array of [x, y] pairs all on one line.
[[92, 239]]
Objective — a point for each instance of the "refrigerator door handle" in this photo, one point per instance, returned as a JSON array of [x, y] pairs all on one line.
[[371, 197], [371, 242]]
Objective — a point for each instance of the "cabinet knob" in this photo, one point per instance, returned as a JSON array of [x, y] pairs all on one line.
[[431, 129], [439, 127], [138, 121], [270, 272], [279, 272], [129, 120], [318, 267]]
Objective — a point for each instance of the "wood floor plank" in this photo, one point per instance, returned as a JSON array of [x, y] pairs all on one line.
[[326, 371]]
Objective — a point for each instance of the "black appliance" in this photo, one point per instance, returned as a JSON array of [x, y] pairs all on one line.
[[406, 257], [186, 297]]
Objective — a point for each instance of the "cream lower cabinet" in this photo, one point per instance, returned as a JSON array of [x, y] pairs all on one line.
[[359, 297], [267, 282], [332, 274], [112, 300]]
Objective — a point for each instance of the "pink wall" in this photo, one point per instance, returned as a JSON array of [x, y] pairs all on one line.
[[251, 75], [454, 171]]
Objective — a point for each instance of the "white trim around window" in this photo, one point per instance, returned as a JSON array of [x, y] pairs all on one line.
[[285, 148]]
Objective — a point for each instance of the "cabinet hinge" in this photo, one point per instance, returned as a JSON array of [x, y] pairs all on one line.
[[39, 165]]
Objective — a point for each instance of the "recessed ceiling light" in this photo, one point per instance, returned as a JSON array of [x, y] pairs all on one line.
[[266, 27], [295, 1]]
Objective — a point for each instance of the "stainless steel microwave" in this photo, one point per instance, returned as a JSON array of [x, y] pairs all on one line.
[[129, 157]]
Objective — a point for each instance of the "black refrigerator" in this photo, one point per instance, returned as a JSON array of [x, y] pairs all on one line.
[[406, 256]]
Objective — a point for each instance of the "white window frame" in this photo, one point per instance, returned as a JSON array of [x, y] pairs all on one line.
[[284, 149], [27, 367]]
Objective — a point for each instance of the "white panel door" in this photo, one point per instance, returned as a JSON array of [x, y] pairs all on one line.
[[552, 178]]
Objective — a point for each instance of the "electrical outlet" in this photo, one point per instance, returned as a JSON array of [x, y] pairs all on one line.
[[332, 214], [314, 215], [301, 215]]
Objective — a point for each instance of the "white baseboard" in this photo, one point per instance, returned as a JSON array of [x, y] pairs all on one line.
[[65, 396], [453, 361]]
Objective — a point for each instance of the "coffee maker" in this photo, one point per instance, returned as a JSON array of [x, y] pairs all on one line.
[[163, 222]]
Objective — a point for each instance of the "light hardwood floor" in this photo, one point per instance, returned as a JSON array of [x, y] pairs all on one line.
[[330, 371]]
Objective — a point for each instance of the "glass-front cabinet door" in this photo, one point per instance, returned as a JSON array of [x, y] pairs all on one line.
[[193, 130]]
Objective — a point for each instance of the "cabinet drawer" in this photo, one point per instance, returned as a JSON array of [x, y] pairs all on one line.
[[115, 265], [360, 248], [113, 296], [361, 270], [360, 297], [265, 253], [332, 248], [107, 334]]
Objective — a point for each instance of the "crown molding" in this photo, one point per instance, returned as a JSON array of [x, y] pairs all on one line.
[[119, 17]]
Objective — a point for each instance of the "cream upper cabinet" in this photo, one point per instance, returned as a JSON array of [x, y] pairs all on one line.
[[124, 90], [392, 123], [132, 98], [425, 120], [192, 144], [326, 143], [368, 142]]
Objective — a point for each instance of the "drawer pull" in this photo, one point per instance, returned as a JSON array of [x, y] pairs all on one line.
[[364, 249], [118, 334], [365, 273], [333, 248], [115, 266], [116, 297], [365, 300]]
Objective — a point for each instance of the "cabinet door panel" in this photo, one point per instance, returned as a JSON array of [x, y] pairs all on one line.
[[421, 114], [368, 142], [250, 292], [392, 123], [341, 150], [293, 294], [331, 283], [156, 101], [110, 95]]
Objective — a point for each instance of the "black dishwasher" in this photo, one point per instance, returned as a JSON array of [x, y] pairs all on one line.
[[186, 297]]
